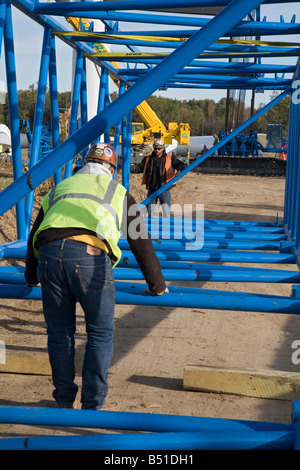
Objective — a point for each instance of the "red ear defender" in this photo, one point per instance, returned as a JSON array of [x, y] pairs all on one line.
[[103, 152]]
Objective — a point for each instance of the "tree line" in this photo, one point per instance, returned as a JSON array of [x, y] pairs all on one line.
[[205, 117]]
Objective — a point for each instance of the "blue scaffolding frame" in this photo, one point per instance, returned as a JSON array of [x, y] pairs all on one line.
[[183, 66]]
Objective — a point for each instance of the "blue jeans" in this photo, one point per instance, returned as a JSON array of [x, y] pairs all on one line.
[[164, 199], [68, 274]]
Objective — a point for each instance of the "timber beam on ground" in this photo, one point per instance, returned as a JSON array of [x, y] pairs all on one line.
[[272, 384]]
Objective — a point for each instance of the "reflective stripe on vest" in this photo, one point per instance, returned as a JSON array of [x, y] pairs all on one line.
[[98, 207], [107, 199]]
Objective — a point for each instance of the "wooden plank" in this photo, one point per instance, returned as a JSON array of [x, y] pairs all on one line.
[[279, 385], [15, 361]]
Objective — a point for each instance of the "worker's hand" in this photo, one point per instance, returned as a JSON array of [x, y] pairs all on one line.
[[157, 293], [134, 168], [32, 283]]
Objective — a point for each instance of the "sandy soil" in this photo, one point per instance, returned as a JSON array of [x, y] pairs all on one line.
[[153, 345]]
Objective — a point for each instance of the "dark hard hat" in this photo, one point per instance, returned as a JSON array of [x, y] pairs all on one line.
[[103, 152]]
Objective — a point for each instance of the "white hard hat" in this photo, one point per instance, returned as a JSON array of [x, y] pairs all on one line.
[[158, 143]]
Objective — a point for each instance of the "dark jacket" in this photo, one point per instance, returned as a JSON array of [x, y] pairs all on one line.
[[155, 170], [142, 248]]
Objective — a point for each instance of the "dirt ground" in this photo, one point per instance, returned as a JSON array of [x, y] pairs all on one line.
[[153, 344]]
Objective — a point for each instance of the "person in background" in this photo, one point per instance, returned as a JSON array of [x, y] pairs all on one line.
[[216, 141], [158, 168], [72, 249], [204, 150]]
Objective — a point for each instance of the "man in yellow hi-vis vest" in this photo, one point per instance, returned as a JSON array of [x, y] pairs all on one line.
[[72, 248]]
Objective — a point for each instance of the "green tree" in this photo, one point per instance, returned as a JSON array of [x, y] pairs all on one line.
[[279, 114], [205, 117]]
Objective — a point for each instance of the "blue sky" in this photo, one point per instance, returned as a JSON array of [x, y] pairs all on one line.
[[28, 45]]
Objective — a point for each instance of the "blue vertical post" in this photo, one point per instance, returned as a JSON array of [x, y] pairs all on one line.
[[289, 173], [74, 106], [54, 103], [83, 96], [14, 115], [289, 169], [124, 149], [38, 116], [102, 93], [296, 228], [291, 164], [117, 143], [106, 103], [128, 151], [296, 424], [2, 20], [118, 126], [295, 174], [83, 101]]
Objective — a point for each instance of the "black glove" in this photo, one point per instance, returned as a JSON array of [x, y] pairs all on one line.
[[134, 169], [31, 281]]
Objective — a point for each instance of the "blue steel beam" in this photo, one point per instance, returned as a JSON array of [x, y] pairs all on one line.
[[47, 22], [126, 149], [244, 28], [224, 81], [290, 211], [247, 68], [118, 129], [181, 245], [204, 86], [198, 66], [220, 48], [174, 431], [68, 7], [230, 79], [17, 250], [127, 102], [38, 118], [173, 271], [14, 115], [234, 224], [147, 422], [83, 102], [270, 440], [75, 105], [207, 55], [3, 6], [54, 103], [95, 37], [292, 160], [186, 33], [219, 256], [212, 275], [103, 91], [181, 297], [188, 233]]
